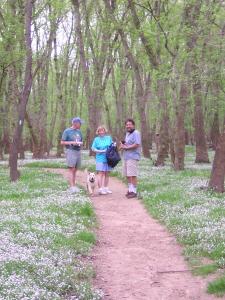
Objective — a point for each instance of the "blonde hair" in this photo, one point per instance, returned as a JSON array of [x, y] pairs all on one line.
[[101, 127]]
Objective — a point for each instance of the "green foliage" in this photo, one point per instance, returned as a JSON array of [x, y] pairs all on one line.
[[46, 164], [205, 270], [44, 238], [217, 287]]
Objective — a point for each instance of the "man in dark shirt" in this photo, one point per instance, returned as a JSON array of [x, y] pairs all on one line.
[[72, 140]]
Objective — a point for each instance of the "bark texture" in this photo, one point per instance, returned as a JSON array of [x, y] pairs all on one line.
[[24, 95], [216, 181]]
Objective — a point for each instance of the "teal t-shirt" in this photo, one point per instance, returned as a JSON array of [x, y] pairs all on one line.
[[71, 134], [101, 143]]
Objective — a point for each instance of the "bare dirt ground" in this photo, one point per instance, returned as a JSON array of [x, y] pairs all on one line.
[[136, 258]]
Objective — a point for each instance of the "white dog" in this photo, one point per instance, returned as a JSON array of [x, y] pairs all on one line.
[[91, 182]]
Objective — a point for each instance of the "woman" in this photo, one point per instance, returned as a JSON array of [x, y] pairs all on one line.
[[99, 146]]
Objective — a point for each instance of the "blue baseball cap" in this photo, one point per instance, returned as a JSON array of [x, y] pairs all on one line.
[[77, 120]]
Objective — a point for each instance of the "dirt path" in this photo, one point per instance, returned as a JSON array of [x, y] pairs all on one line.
[[136, 258]]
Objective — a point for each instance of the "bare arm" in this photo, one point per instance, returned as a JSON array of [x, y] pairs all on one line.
[[98, 151]]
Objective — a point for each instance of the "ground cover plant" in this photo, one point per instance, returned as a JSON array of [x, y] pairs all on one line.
[[180, 201], [195, 215], [46, 235]]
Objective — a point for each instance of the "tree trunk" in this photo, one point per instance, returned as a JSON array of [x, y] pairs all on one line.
[[24, 95], [179, 139], [180, 110], [94, 89], [21, 150], [186, 137], [172, 150], [120, 98], [32, 133], [201, 146], [217, 176], [190, 17], [141, 94], [1, 150], [215, 131], [163, 146]]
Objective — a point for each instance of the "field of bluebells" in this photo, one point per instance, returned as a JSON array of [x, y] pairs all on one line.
[[46, 235]]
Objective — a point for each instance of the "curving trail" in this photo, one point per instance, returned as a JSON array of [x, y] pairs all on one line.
[[135, 257]]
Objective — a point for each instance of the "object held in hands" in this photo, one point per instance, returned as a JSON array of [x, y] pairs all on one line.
[[112, 155]]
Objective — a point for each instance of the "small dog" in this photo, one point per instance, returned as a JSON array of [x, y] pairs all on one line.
[[91, 182]]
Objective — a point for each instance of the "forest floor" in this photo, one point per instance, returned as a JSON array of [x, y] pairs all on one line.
[[136, 257]]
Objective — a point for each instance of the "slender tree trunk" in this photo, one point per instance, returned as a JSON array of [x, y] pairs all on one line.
[[120, 99], [190, 17], [201, 146], [1, 148], [163, 146], [94, 89], [217, 176], [23, 99], [179, 131], [60, 100], [179, 137], [141, 95], [171, 146], [186, 137], [215, 131]]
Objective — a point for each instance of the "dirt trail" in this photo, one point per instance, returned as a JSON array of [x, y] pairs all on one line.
[[135, 257]]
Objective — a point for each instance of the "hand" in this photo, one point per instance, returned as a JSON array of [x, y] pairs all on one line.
[[122, 146]]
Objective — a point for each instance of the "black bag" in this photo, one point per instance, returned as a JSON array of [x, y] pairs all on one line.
[[112, 155]]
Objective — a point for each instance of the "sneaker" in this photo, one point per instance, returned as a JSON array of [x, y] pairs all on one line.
[[128, 193], [107, 190], [101, 191], [132, 195]]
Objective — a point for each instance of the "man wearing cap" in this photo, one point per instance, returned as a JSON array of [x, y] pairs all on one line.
[[72, 140]]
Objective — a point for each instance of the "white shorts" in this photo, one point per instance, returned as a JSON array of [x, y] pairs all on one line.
[[130, 168]]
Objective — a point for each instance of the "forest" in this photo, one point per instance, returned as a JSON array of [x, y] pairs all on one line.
[[161, 62]]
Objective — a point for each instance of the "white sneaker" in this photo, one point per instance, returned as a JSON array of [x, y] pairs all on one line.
[[107, 190], [101, 191]]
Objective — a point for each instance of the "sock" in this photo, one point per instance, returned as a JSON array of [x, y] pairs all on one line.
[[130, 187], [135, 189]]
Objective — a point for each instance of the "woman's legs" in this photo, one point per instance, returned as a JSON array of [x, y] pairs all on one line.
[[106, 179], [101, 178], [106, 183], [103, 182]]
